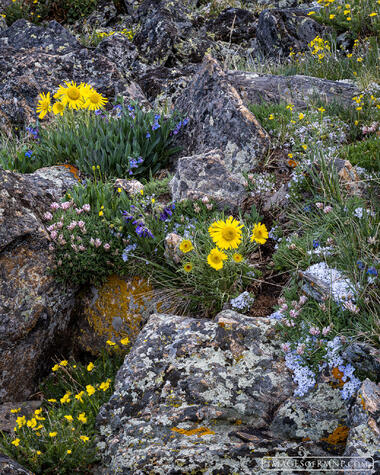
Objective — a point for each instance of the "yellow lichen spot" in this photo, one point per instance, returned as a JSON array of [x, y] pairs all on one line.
[[199, 431], [118, 312], [362, 402], [338, 437]]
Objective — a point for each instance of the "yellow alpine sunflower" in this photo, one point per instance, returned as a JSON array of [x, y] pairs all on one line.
[[259, 233], [95, 101], [188, 267], [237, 257], [186, 246], [70, 95], [43, 106], [215, 258], [226, 235], [58, 108]]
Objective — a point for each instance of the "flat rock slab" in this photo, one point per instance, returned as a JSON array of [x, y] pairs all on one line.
[[195, 394], [10, 467], [298, 90]]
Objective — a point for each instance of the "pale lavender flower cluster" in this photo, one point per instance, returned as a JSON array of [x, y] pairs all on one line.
[[304, 377], [242, 301]]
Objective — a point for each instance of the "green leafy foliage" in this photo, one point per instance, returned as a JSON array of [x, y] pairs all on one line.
[[130, 142], [365, 153], [59, 438]]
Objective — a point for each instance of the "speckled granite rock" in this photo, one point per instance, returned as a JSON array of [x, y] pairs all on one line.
[[3, 24], [204, 175], [10, 467], [53, 38], [315, 416], [297, 90], [364, 436], [195, 395], [24, 74], [278, 30], [34, 309], [219, 119]]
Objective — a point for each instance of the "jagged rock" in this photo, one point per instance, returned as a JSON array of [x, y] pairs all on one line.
[[204, 175], [298, 90], [104, 15], [348, 176], [365, 358], [279, 30], [172, 251], [364, 436], [197, 395], [24, 74], [317, 416], [52, 39], [121, 51], [233, 24], [10, 467], [169, 34], [8, 419], [218, 119], [34, 309]]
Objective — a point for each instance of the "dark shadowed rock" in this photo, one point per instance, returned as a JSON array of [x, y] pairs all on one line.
[[280, 30], [53, 38], [24, 74], [10, 467], [195, 394], [8, 419], [233, 24], [169, 34], [219, 119], [34, 309], [298, 90], [204, 175]]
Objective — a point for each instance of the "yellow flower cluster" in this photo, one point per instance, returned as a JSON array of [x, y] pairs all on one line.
[[226, 235], [70, 96], [319, 47], [128, 33]]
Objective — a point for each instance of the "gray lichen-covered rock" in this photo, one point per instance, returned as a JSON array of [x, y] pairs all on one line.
[[219, 119], [314, 417], [279, 30], [233, 24], [195, 395], [35, 310], [24, 74], [298, 90], [364, 436], [53, 38], [10, 467], [204, 175]]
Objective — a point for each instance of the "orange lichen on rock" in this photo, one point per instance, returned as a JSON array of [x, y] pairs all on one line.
[[73, 170], [199, 431], [338, 437], [338, 375], [120, 306]]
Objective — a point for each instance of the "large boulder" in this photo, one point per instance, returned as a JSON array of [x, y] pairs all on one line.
[[233, 24], [24, 73], [220, 120], [206, 175], [35, 310], [279, 31], [195, 395]]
